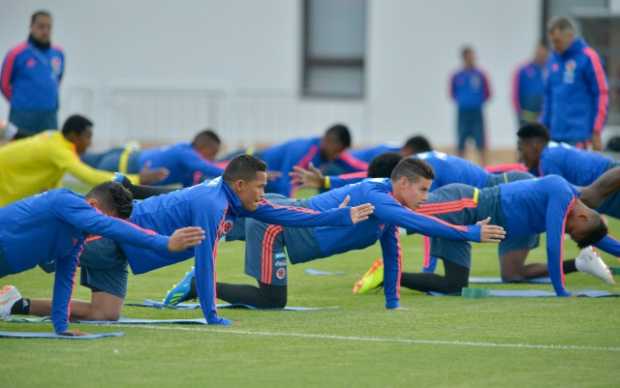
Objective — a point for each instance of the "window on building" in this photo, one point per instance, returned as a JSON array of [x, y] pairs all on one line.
[[334, 48]]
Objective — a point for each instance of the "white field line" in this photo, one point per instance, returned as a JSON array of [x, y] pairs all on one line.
[[473, 344]]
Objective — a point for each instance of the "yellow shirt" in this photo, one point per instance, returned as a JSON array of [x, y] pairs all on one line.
[[38, 163]]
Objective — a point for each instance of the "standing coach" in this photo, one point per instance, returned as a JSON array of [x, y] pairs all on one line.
[[30, 78], [576, 92]]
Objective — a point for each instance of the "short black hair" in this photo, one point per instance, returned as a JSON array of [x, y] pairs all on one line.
[[243, 167], [76, 124], [114, 197], [533, 131], [38, 13], [342, 133], [595, 235], [412, 169], [206, 136], [382, 166], [418, 144]]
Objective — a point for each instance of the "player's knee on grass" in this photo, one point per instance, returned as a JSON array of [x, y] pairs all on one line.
[[456, 277], [105, 307], [275, 297], [512, 266]]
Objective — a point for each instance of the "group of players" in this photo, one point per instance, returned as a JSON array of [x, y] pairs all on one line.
[[367, 196]]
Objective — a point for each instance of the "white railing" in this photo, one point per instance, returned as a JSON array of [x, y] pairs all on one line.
[[154, 114]]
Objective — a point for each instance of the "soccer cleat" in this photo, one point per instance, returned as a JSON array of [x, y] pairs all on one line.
[[372, 279], [180, 292], [591, 263], [8, 296]]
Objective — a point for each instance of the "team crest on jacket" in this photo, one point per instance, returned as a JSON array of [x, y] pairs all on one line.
[[226, 226], [56, 63], [31, 62], [281, 273], [569, 71]]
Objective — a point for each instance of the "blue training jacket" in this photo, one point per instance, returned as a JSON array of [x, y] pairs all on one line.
[[50, 228], [448, 169], [528, 88], [470, 88], [185, 164], [30, 77], [301, 152], [213, 206], [382, 225], [576, 94], [368, 154], [578, 167]]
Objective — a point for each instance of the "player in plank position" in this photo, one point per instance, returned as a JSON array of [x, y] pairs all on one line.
[[187, 163], [578, 167], [49, 229], [525, 208], [214, 206], [393, 199]]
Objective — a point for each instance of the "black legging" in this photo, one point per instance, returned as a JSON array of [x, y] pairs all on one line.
[[456, 277], [264, 296]]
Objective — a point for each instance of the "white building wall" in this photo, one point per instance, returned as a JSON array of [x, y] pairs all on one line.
[[157, 71]]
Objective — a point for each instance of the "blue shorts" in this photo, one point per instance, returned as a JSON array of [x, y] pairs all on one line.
[[268, 246], [507, 177], [31, 122], [470, 124], [104, 267], [110, 160], [486, 203]]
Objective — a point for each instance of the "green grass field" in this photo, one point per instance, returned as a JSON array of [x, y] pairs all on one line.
[[433, 341]]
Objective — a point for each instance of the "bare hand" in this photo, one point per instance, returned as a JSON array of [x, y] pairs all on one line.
[[184, 238], [311, 177], [74, 333], [490, 233], [361, 213], [149, 176]]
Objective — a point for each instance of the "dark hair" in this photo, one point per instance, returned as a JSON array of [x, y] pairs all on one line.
[[560, 23], [205, 137], [382, 166], [38, 13], [76, 124], [342, 134], [114, 197], [412, 169], [533, 131], [418, 144], [595, 235], [243, 167], [466, 49]]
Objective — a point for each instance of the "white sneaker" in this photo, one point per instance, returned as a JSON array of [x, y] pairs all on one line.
[[590, 262], [8, 296]]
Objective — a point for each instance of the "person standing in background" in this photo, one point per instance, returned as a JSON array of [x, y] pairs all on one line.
[[30, 79], [528, 87], [576, 92], [470, 89]]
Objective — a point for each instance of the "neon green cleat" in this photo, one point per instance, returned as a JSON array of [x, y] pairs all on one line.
[[373, 278]]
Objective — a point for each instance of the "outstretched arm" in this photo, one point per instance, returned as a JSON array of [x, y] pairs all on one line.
[[390, 211], [300, 217]]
